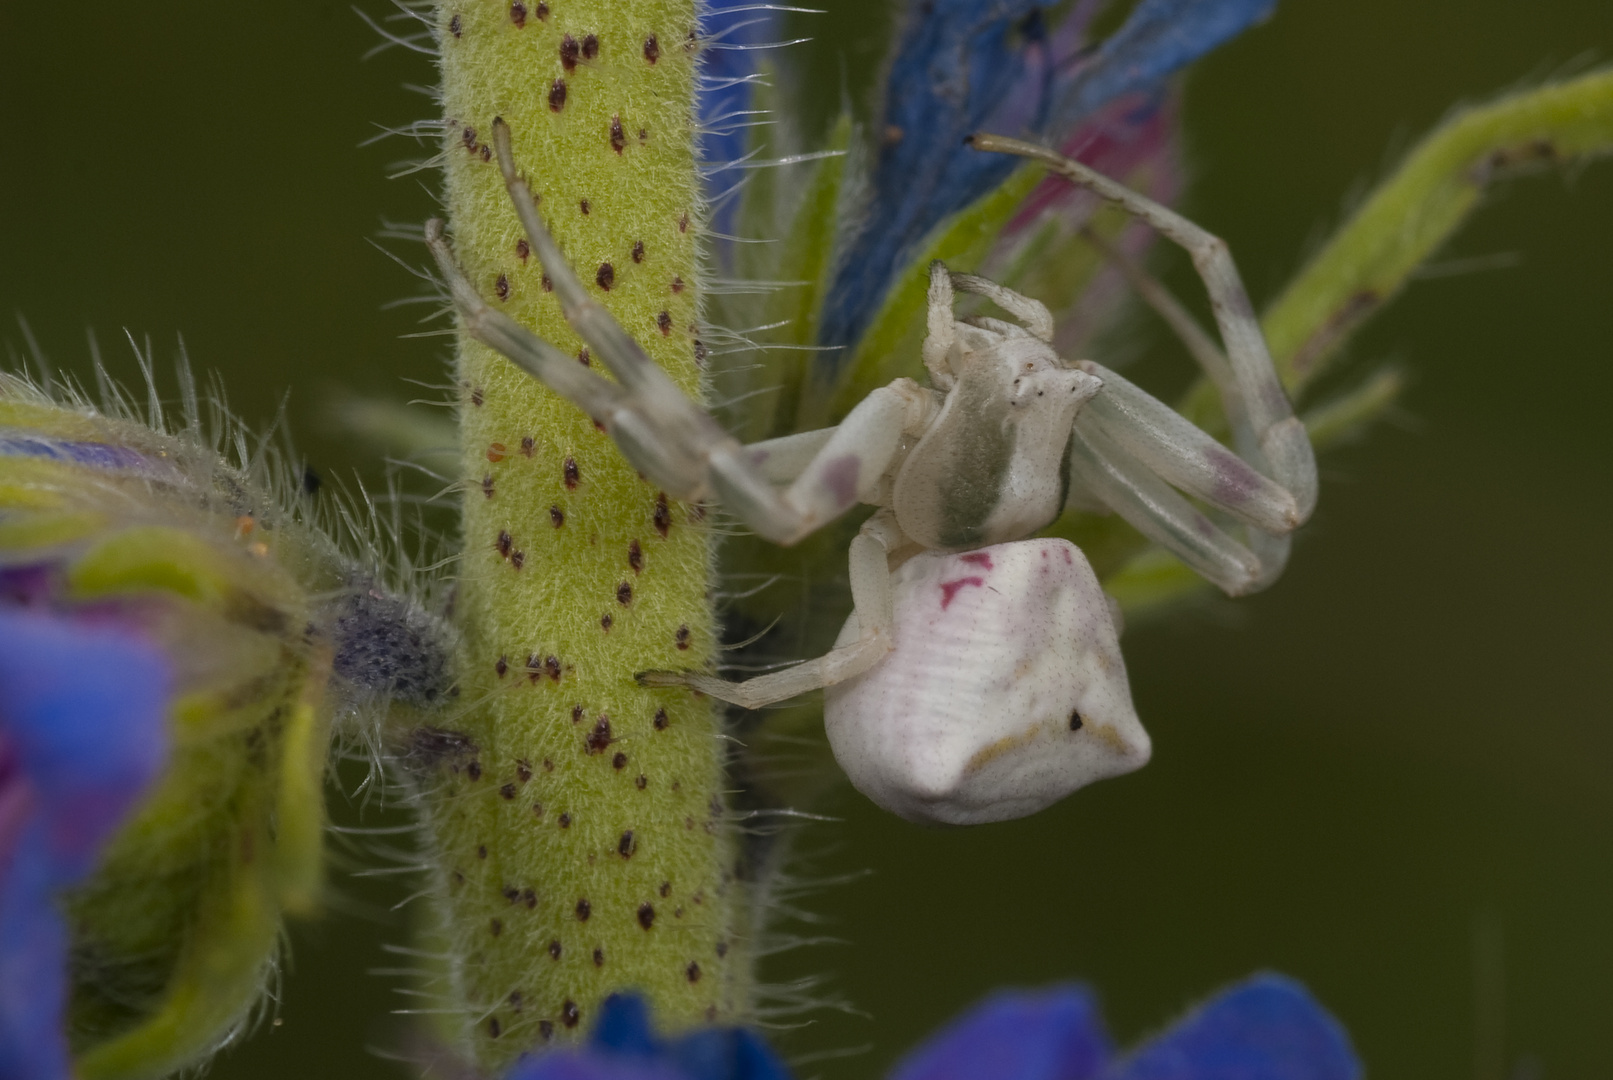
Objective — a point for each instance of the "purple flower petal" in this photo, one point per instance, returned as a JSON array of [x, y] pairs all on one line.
[[1053, 1034], [1265, 1028], [970, 65], [82, 734]]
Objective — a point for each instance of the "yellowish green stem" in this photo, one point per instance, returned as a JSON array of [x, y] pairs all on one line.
[[578, 818]]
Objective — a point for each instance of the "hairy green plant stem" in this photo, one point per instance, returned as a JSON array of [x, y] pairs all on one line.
[[579, 818]]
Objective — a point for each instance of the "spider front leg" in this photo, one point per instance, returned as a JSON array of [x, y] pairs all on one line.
[[1276, 432], [662, 433]]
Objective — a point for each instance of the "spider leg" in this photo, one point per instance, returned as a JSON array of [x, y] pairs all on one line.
[[1168, 443], [940, 335], [1156, 510], [1281, 437], [1033, 313], [662, 433], [870, 593]]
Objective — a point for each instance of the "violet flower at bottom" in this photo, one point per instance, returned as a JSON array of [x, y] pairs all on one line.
[[1267, 1027]]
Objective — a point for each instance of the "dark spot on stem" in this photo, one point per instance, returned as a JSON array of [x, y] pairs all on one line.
[[677, 284], [652, 47], [663, 514], [638, 251], [557, 95], [635, 556], [501, 667], [590, 46], [599, 738], [501, 287], [474, 770], [682, 637], [557, 516], [505, 543], [642, 782], [570, 1014], [518, 14], [626, 845], [618, 137], [551, 664], [584, 909], [1075, 720], [565, 821], [456, 26], [584, 357], [599, 957], [693, 972], [660, 722], [624, 594], [477, 397], [496, 926], [571, 473], [527, 444], [487, 485], [605, 277], [493, 1028], [523, 250], [646, 915], [666, 889], [554, 949], [508, 791], [619, 762], [568, 53], [517, 559], [663, 323]]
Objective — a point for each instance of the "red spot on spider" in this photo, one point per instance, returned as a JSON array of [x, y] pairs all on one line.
[[664, 322], [949, 589], [677, 284], [682, 637], [978, 558], [495, 451]]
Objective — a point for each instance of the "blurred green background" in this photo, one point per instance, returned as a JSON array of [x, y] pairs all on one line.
[[1389, 776]]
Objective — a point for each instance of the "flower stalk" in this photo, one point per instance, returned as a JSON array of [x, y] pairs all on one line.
[[578, 819]]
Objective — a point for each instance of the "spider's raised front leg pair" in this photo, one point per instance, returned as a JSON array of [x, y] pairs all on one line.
[[677, 445]]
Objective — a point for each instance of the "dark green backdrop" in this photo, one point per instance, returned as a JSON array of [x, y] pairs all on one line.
[[1389, 776]]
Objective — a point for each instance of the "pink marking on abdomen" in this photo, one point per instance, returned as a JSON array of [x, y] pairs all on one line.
[[979, 558], [949, 589]]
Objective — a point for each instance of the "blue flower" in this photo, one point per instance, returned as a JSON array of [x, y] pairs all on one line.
[[82, 735], [1264, 1028], [964, 66]]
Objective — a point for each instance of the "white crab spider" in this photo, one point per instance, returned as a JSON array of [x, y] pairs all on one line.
[[1020, 697]]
